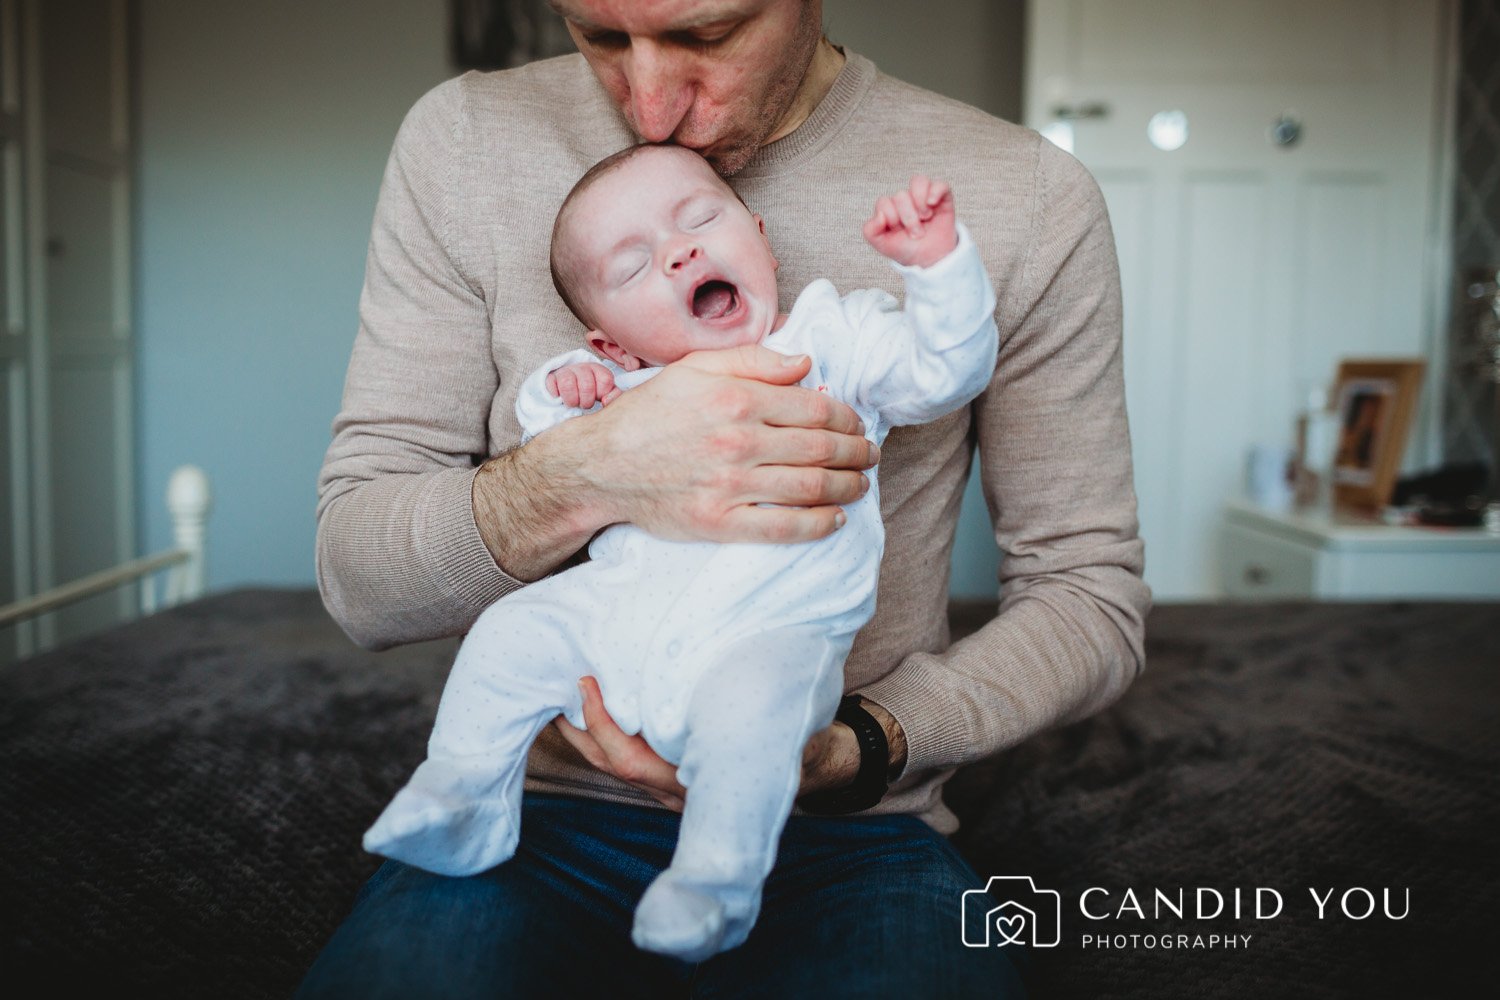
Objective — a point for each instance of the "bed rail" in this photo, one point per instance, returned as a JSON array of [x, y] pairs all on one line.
[[189, 499]]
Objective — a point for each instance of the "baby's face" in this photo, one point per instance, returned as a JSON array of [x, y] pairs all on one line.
[[668, 261]]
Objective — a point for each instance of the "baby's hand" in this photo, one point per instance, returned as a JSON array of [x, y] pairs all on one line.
[[581, 384], [916, 227]]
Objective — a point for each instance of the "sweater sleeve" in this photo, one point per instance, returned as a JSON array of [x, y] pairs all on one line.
[[399, 557], [1054, 453]]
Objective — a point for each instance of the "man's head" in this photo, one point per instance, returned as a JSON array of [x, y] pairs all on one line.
[[659, 258], [717, 76]]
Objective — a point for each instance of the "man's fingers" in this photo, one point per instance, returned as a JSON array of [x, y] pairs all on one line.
[[801, 446], [750, 361], [601, 724], [629, 758], [779, 404], [808, 486], [796, 406], [784, 524], [581, 741]]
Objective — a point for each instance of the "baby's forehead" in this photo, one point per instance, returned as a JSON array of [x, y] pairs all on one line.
[[662, 171]]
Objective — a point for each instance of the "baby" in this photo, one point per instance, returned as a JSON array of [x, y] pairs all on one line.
[[727, 658]]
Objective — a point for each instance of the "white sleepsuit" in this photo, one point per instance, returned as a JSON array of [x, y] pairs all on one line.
[[726, 657]]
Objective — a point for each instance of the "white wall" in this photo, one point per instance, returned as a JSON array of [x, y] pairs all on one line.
[[263, 128]]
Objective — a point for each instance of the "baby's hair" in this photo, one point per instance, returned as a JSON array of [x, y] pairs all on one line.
[[562, 271]]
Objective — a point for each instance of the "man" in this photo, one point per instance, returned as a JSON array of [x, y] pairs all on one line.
[[415, 541]]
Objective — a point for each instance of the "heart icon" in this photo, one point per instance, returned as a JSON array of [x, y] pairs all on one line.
[[1010, 929]]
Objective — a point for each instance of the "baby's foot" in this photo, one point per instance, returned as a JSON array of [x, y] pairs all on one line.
[[442, 833], [673, 919]]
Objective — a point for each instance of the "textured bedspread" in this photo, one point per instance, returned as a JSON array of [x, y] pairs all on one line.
[[182, 799]]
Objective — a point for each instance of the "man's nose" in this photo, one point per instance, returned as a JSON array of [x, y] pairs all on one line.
[[681, 254], [660, 93]]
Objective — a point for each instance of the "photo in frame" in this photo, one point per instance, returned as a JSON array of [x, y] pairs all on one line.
[[1375, 401]]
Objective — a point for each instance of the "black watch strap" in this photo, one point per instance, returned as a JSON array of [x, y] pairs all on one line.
[[870, 782]]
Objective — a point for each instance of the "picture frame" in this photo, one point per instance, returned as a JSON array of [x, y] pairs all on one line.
[[1375, 400]]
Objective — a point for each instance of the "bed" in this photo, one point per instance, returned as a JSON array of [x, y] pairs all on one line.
[[183, 798]]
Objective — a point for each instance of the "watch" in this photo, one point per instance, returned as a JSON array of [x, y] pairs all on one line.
[[870, 782]]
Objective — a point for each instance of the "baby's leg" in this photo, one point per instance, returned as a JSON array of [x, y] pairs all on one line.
[[460, 812], [749, 719]]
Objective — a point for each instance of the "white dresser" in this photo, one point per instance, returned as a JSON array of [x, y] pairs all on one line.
[[1345, 555]]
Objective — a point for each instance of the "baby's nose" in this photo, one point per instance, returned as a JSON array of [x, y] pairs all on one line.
[[681, 256]]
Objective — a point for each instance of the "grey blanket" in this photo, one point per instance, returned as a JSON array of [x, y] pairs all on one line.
[[182, 799]]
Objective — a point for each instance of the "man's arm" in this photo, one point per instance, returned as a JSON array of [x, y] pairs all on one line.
[[1054, 450], [399, 556]]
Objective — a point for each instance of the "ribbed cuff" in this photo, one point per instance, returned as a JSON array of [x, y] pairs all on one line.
[[935, 725], [449, 539]]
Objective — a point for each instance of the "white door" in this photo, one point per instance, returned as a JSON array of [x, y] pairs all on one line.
[[1295, 223]]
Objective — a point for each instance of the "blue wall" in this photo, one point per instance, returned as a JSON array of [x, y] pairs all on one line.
[[263, 129]]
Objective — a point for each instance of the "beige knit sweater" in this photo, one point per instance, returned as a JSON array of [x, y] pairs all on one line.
[[458, 307]]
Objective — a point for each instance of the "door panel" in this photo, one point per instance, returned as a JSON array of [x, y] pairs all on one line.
[[1249, 267]]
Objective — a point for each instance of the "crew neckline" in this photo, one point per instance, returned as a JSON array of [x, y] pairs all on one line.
[[825, 121]]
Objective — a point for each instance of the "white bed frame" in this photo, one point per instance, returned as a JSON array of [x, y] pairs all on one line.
[[189, 498]]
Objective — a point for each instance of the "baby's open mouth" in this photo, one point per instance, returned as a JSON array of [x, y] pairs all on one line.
[[714, 299]]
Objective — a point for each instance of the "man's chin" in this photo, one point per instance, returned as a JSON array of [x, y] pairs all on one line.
[[726, 156]]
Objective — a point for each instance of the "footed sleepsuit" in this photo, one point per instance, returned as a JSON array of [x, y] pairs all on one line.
[[726, 657]]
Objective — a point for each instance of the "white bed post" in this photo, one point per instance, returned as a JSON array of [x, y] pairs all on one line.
[[189, 498]]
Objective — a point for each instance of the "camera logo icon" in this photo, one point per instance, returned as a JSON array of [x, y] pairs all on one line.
[[1010, 909]]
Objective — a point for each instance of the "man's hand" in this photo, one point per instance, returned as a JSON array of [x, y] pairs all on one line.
[[708, 440], [830, 759], [616, 753], [689, 454], [916, 227], [581, 385]]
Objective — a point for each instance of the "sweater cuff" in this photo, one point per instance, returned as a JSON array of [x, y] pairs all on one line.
[[935, 720], [449, 538]]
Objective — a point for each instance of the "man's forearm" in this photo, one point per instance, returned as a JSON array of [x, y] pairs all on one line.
[[531, 505]]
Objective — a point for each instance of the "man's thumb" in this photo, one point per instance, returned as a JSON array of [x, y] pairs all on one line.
[[752, 361]]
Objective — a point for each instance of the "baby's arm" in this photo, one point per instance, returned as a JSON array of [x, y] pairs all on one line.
[[921, 362], [539, 408]]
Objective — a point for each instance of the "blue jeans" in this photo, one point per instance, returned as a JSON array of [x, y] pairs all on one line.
[[865, 906]]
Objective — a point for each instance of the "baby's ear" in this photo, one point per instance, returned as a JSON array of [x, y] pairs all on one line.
[[601, 344], [761, 223]]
